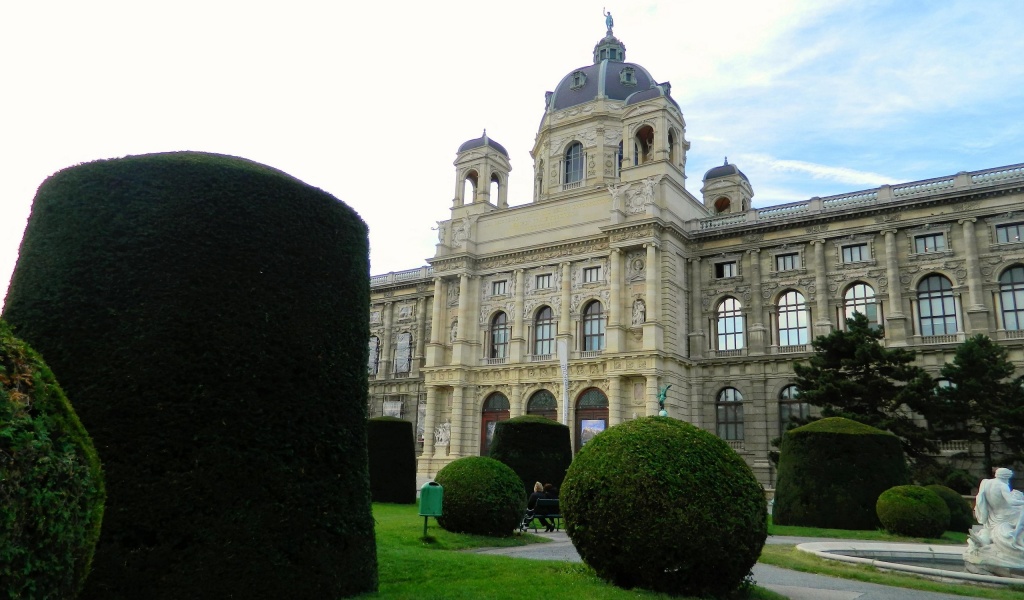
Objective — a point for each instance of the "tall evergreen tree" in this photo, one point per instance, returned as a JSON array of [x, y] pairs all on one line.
[[853, 375], [984, 402]]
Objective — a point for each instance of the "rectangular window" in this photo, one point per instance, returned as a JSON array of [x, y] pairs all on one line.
[[932, 242], [787, 262], [725, 269], [855, 253], [591, 274], [1007, 234], [498, 288], [543, 281]]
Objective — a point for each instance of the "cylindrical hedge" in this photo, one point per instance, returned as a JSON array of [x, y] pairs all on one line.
[[536, 448], [208, 317], [659, 504], [481, 496], [961, 515], [913, 511], [831, 472], [51, 484], [392, 449]]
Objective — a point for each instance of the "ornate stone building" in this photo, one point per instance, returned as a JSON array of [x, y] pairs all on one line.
[[645, 285]]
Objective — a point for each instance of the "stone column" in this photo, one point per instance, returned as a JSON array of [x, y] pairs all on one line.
[[614, 400], [565, 317], [518, 340], [977, 312], [421, 333], [823, 324], [458, 416], [696, 311], [653, 330], [757, 330], [517, 407], [385, 366], [895, 320], [615, 330], [651, 396], [430, 422], [438, 327], [460, 354]]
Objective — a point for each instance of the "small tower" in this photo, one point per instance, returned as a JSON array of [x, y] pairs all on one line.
[[726, 190], [479, 163]]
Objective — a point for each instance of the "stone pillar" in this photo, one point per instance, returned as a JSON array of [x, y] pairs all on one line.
[[565, 316], [421, 333], [517, 406], [895, 320], [385, 367], [977, 312], [518, 341], [757, 331], [651, 396], [823, 324], [430, 422], [438, 327], [614, 400], [615, 331], [460, 354], [458, 416], [696, 311], [653, 330]]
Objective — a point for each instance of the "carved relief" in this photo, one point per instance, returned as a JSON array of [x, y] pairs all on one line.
[[753, 237], [405, 312], [989, 265], [817, 228], [636, 266], [889, 218], [453, 294], [375, 318]]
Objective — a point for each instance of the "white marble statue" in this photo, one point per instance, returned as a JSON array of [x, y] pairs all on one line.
[[997, 545], [443, 434]]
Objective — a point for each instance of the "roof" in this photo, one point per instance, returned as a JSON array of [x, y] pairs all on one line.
[[482, 141], [724, 171]]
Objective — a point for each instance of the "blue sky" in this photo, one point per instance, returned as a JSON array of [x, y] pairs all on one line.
[[370, 103]]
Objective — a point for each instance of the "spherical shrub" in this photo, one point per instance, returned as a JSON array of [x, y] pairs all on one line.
[[659, 504], [536, 448], [392, 452], [831, 472], [481, 496], [913, 511], [961, 516], [208, 317], [51, 485]]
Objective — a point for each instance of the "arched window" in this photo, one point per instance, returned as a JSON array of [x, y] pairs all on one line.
[[543, 404], [729, 321], [722, 205], [499, 336], [574, 163], [643, 145], [792, 319], [544, 332], [1011, 297], [935, 301], [403, 353], [860, 297], [593, 327], [469, 188], [790, 408], [495, 187], [374, 363], [591, 415], [618, 161], [496, 408], [671, 146], [729, 414]]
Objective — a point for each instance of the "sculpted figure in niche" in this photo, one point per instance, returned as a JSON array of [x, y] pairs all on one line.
[[639, 312], [455, 330], [618, 192], [997, 544], [443, 434]]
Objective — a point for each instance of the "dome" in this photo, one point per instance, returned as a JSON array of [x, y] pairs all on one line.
[[482, 141], [724, 171], [609, 77], [660, 90]]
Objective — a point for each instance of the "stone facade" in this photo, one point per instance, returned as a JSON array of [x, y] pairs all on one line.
[[646, 285]]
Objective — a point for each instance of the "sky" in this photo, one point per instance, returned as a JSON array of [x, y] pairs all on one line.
[[370, 102]]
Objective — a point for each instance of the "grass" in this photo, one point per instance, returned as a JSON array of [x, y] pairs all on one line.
[[411, 568], [878, 535]]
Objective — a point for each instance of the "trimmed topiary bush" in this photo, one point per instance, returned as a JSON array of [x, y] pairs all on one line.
[[51, 484], [659, 504], [831, 472], [913, 511], [481, 496], [208, 315], [961, 516], [392, 450], [536, 448]]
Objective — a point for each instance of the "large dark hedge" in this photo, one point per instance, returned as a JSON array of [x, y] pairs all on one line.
[[51, 484], [537, 449], [961, 515], [208, 316], [392, 449], [913, 511], [659, 504], [481, 496], [831, 472]]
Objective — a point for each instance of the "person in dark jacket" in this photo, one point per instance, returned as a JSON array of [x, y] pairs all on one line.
[[531, 506]]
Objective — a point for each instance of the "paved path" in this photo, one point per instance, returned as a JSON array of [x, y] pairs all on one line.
[[793, 584]]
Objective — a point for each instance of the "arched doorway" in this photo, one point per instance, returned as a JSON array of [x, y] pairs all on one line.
[[543, 404], [591, 415], [496, 409]]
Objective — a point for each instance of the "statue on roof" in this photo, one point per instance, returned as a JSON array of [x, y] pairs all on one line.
[[608, 20]]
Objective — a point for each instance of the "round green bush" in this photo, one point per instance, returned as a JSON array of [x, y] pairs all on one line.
[[51, 484], [208, 317], [481, 496], [392, 452], [659, 504], [831, 472], [536, 448], [913, 511], [961, 516]]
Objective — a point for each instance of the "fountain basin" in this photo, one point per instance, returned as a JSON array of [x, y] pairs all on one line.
[[930, 560]]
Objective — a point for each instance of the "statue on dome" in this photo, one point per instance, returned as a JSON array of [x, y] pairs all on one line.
[[997, 544], [608, 20]]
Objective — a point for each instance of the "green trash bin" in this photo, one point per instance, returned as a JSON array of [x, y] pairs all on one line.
[[431, 495]]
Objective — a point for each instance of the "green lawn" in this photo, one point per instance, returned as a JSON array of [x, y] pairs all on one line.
[[414, 569], [878, 535]]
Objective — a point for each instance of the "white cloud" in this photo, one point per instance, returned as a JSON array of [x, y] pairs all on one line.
[[817, 171]]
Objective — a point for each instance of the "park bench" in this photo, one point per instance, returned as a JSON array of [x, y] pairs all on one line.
[[547, 508]]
